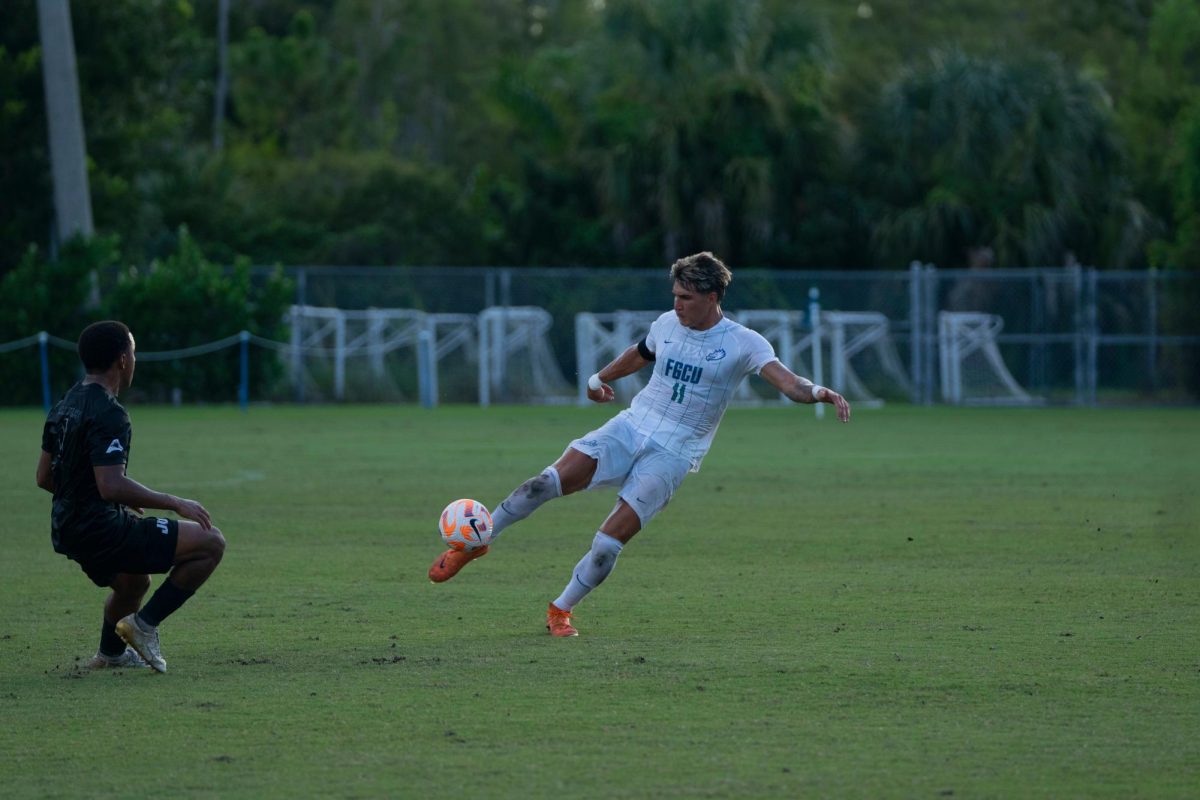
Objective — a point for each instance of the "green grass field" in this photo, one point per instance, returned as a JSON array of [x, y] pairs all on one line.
[[924, 603]]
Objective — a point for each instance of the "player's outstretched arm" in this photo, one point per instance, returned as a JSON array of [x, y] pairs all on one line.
[[800, 390], [117, 487], [625, 364]]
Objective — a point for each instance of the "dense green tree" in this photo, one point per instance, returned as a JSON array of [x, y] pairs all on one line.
[[678, 126], [41, 294], [185, 300], [965, 153], [1182, 251], [335, 207], [1159, 117], [289, 92], [876, 39], [618, 132], [143, 78], [27, 203]]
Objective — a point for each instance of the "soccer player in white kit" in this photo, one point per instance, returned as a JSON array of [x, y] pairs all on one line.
[[700, 357]]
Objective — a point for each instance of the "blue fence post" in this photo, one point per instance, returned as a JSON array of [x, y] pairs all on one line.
[[244, 382], [916, 331], [43, 340], [426, 369], [814, 321]]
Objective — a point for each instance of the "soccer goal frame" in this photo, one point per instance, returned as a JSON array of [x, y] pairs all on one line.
[[851, 333], [517, 338], [599, 338], [964, 335], [796, 341], [341, 334]]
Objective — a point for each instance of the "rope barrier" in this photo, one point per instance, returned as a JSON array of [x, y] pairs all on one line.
[[188, 352], [243, 339], [19, 343], [388, 346]]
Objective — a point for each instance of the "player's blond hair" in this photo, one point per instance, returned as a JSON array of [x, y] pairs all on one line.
[[703, 273]]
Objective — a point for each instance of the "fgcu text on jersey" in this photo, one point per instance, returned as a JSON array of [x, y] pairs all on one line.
[[679, 371]]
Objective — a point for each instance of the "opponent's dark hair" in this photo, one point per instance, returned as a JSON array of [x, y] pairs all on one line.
[[703, 273], [101, 344]]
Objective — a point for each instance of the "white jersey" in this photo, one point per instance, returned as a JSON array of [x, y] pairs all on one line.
[[695, 376]]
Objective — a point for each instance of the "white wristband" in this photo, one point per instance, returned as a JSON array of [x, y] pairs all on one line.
[[594, 382], [816, 389]]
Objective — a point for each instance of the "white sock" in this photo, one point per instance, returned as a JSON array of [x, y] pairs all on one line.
[[525, 499], [591, 570]]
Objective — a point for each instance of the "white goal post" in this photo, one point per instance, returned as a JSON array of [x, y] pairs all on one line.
[[516, 360], [599, 338], [860, 334], [336, 334], [972, 369], [797, 344], [509, 347]]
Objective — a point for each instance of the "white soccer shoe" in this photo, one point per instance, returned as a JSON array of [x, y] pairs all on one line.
[[143, 640], [127, 660]]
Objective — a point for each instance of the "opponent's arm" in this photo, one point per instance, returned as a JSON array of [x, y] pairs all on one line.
[[117, 487], [45, 477], [800, 390], [625, 364]]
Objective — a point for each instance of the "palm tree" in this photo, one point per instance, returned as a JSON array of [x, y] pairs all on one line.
[[696, 124], [1016, 156]]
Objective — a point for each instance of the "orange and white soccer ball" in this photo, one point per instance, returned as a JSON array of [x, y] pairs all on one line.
[[466, 525]]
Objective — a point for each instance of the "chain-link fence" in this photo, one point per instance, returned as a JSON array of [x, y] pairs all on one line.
[[1065, 335], [1031, 336]]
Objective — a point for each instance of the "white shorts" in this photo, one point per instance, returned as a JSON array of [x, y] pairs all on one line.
[[648, 475]]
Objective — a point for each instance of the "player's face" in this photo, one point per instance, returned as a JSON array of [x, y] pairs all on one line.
[[693, 309], [130, 363]]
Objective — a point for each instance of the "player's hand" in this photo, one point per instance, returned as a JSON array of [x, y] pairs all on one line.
[[141, 512], [838, 402], [190, 509], [602, 395]]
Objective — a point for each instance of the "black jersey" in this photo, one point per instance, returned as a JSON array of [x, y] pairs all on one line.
[[87, 428]]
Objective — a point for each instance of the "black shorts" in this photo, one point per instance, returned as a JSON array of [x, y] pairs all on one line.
[[140, 547]]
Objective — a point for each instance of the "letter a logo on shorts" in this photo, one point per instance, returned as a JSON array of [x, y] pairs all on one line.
[[114, 447], [162, 525]]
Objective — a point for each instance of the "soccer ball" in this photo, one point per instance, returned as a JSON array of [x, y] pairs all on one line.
[[466, 525]]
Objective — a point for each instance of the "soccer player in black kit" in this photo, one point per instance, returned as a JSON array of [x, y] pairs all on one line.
[[96, 518]]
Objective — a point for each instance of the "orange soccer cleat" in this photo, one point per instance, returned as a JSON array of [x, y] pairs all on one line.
[[558, 622], [450, 562]]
